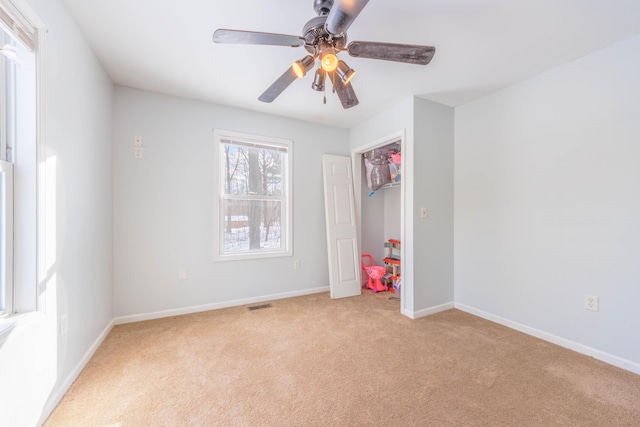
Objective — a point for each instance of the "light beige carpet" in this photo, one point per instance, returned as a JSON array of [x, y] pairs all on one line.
[[313, 361]]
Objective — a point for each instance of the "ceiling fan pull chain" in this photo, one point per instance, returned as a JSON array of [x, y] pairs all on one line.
[[324, 93]]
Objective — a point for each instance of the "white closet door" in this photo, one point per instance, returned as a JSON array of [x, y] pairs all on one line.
[[342, 239]]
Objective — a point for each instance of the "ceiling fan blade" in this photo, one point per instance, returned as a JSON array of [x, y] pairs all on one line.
[[409, 53], [342, 15], [346, 93], [278, 86], [253, 37]]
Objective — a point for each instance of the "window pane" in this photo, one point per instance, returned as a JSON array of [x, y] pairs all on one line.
[[252, 226], [7, 99], [250, 170]]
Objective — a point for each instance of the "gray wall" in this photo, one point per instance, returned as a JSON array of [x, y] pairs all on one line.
[[36, 364], [433, 189], [397, 118], [163, 205], [427, 180], [372, 220], [392, 214], [547, 207]]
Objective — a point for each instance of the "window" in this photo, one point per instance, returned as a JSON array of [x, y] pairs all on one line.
[[253, 196], [17, 161]]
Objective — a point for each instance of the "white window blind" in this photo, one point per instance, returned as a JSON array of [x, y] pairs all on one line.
[[16, 24]]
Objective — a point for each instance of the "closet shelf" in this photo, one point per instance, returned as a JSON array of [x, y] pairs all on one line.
[[392, 185]]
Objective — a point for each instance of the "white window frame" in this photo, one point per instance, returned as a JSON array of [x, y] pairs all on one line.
[[286, 228], [27, 162], [6, 237], [7, 141]]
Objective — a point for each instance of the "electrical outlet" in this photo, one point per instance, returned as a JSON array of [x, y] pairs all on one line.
[[64, 324], [138, 153], [591, 302], [296, 264], [423, 212], [182, 274], [137, 141]]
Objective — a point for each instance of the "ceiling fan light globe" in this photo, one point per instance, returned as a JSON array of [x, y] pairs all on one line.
[[298, 69], [301, 67], [329, 62], [345, 72], [318, 80], [349, 76]]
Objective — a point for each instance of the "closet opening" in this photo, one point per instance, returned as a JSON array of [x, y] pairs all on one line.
[[380, 199]]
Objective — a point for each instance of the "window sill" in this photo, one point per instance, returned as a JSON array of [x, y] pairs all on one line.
[[251, 256], [12, 321]]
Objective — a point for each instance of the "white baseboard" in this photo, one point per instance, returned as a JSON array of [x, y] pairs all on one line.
[[562, 342], [215, 306], [428, 311], [59, 393]]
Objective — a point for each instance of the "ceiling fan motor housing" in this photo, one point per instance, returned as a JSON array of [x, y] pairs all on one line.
[[322, 7], [315, 33]]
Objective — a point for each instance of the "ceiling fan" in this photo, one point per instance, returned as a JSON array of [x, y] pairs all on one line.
[[324, 36]]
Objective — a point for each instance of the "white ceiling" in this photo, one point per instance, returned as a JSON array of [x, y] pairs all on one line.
[[482, 45]]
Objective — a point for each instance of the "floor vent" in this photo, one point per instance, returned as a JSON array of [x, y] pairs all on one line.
[[259, 307]]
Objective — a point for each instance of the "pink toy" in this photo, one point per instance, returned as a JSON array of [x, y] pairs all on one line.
[[375, 273], [396, 158], [370, 263]]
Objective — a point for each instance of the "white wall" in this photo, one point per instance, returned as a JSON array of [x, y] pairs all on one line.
[[547, 207], [163, 205], [35, 364], [79, 98]]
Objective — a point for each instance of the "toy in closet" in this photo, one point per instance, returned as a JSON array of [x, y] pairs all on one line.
[[382, 166], [392, 264]]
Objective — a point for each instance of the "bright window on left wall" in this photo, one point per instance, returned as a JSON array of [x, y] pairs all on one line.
[[253, 196], [18, 154]]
